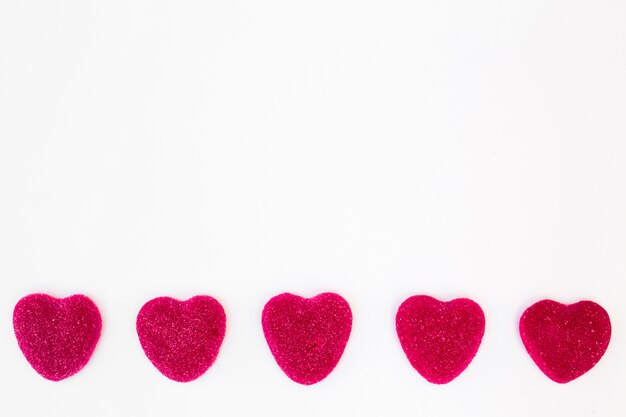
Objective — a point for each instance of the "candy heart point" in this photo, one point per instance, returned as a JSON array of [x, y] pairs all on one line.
[[440, 339], [307, 336], [181, 338], [565, 341], [57, 335]]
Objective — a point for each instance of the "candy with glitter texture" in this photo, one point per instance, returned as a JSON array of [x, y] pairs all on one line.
[[182, 338], [57, 335], [440, 339], [565, 341], [307, 336]]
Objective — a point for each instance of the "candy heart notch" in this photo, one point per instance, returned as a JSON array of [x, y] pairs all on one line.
[[182, 338], [565, 341], [57, 335], [440, 339], [307, 336]]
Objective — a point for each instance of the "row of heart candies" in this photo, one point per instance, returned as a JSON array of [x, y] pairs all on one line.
[[307, 336]]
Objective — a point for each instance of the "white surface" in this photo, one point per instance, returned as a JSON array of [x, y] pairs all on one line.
[[378, 149]]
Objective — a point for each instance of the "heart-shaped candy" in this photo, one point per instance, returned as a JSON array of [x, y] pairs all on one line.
[[182, 338], [57, 335], [440, 339], [307, 336], [565, 341]]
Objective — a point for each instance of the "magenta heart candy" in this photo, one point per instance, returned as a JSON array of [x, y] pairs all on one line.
[[307, 336], [565, 341], [181, 338], [57, 335], [440, 339]]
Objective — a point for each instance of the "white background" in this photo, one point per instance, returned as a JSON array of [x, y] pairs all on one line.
[[378, 149]]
